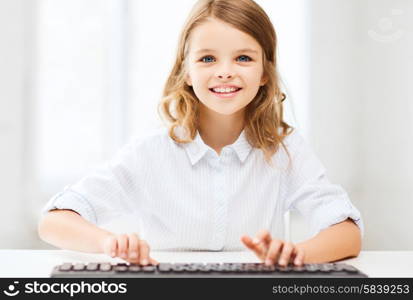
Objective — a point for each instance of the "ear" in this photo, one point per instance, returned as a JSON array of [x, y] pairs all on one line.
[[188, 80], [264, 80]]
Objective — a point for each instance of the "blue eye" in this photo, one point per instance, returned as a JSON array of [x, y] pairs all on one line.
[[249, 58], [202, 59], [211, 57]]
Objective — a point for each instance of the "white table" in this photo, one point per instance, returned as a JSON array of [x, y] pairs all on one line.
[[39, 263]]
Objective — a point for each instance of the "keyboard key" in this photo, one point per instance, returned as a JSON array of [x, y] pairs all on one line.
[[148, 269], [298, 269], [326, 268], [350, 269], [165, 267], [120, 269], [92, 267], [79, 267], [205, 269], [178, 269], [252, 268], [133, 268], [339, 267], [285, 269], [311, 268], [226, 269], [191, 269], [267, 269], [105, 267], [215, 267], [65, 267]]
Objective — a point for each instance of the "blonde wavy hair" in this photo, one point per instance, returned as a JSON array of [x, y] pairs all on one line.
[[264, 125]]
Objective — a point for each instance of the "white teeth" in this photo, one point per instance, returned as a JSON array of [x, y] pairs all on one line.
[[222, 90]]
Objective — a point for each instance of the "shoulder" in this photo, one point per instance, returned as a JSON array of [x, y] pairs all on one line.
[[153, 143], [293, 141], [294, 146], [150, 138], [144, 147], [301, 154]]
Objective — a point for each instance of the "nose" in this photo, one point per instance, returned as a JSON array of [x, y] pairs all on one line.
[[225, 71], [225, 75]]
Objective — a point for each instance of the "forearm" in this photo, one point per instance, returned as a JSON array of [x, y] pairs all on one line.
[[68, 230], [339, 241]]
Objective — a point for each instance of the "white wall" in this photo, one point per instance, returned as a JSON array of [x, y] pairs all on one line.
[[13, 90], [334, 80], [361, 111], [386, 127]]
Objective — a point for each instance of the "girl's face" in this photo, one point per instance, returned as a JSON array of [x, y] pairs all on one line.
[[223, 56]]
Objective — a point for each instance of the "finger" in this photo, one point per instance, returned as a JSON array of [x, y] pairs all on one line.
[[273, 252], [153, 261], [287, 250], [291, 259], [259, 243], [123, 246], [133, 247], [254, 247], [143, 252], [110, 246], [247, 241], [299, 257], [114, 247], [263, 236], [262, 240]]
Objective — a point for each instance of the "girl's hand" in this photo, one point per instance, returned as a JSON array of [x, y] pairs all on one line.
[[271, 250], [128, 247]]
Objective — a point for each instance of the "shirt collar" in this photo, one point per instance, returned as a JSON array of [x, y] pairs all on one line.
[[197, 148]]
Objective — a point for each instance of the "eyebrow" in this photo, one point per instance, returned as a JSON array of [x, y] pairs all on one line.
[[237, 51]]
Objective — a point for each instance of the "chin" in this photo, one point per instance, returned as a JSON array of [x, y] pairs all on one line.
[[223, 109], [226, 112]]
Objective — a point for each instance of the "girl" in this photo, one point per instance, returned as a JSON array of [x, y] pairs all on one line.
[[227, 167]]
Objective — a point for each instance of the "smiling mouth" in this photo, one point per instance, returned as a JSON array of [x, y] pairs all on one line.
[[226, 94], [232, 92]]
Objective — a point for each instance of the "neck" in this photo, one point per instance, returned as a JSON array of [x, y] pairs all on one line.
[[219, 130]]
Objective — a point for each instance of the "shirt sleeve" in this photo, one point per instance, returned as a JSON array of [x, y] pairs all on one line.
[[306, 189], [105, 193]]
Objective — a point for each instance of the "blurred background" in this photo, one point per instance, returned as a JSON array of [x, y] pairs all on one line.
[[78, 78]]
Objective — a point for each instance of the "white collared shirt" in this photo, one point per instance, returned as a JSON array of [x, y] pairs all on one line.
[[187, 197]]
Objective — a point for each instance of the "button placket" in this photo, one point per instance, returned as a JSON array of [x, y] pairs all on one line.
[[220, 207]]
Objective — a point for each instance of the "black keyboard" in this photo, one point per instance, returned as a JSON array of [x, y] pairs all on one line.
[[165, 270]]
